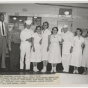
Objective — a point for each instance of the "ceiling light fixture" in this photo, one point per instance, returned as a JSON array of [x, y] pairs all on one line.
[[14, 18], [66, 13], [20, 20], [35, 17]]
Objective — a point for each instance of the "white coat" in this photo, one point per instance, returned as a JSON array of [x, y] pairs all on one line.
[[76, 59], [45, 35], [25, 47], [36, 56], [68, 38], [85, 54], [54, 49]]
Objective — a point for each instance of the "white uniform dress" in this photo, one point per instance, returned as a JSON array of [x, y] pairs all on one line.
[[68, 38], [25, 48], [76, 59], [54, 49], [85, 54], [36, 56], [45, 34]]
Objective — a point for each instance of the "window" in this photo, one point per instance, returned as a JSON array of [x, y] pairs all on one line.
[[21, 19], [36, 20]]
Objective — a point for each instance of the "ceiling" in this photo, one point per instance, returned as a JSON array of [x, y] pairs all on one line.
[[76, 5]]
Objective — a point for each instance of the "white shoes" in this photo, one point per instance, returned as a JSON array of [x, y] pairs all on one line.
[[44, 69], [75, 72], [65, 71], [53, 69], [35, 69], [84, 73]]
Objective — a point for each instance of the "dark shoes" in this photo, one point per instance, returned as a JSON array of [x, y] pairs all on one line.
[[21, 70], [4, 70], [27, 70]]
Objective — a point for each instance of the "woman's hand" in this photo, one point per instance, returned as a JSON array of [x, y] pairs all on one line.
[[29, 40], [9, 48], [47, 49], [40, 42], [62, 41], [71, 50], [33, 49]]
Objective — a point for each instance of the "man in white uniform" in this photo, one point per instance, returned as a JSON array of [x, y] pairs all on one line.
[[68, 40], [25, 46]]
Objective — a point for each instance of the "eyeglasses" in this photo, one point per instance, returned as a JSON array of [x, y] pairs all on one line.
[[44, 25]]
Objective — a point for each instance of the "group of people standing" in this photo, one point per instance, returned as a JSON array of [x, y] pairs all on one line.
[[43, 45]]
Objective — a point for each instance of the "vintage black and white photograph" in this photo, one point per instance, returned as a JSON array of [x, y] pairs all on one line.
[[44, 38]]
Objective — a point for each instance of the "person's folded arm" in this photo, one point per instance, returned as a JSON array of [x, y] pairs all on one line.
[[22, 37]]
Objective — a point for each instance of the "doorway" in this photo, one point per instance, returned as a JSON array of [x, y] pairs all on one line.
[[62, 23]]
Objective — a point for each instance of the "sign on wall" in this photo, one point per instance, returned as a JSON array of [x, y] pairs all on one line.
[[64, 12]]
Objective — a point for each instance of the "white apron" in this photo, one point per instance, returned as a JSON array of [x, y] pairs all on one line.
[[76, 59], [36, 56], [85, 54], [54, 49], [45, 35]]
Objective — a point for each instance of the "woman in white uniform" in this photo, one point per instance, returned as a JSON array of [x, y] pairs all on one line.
[[54, 49], [36, 48], [45, 34], [76, 59], [85, 55]]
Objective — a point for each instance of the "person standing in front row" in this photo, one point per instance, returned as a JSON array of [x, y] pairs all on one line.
[[36, 48], [26, 39], [76, 59], [54, 48], [3, 41], [14, 47], [45, 34], [67, 38], [85, 55]]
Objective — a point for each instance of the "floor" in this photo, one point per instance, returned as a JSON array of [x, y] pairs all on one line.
[[66, 79], [40, 66]]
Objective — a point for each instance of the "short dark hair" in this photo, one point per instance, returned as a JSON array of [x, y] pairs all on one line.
[[79, 30], [46, 23], [1, 14], [37, 27], [53, 29]]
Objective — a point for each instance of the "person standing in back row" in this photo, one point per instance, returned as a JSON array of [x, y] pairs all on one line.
[[85, 55], [3, 41], [45, 34], [68, 39], [14, 47], [25, 47]]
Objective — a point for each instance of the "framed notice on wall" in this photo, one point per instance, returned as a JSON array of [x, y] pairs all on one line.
[[36, 20], [64, 12]]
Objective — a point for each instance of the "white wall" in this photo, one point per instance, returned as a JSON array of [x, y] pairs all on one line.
[[80, 16]]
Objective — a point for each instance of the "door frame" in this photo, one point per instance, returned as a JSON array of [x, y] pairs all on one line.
[[66, 21]]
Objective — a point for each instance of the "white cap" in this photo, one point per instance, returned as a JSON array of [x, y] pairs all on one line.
[[28, 22], [65, 26]]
